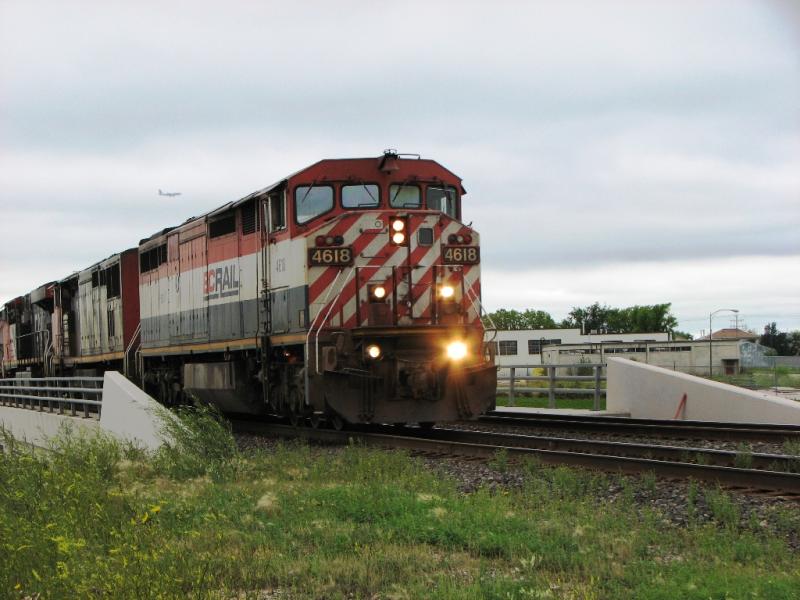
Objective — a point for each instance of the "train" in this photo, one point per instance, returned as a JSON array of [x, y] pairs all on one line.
[[346, 292]]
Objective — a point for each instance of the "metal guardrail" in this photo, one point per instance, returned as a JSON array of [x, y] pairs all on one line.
[[552, 378], [61, 395]]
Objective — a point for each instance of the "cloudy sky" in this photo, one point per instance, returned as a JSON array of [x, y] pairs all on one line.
[[621, 152]]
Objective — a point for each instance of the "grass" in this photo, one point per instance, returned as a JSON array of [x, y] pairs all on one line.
[[542, 401], [201, 519], [762, 378]]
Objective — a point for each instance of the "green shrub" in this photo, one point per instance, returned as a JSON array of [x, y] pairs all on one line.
[[197, 441]]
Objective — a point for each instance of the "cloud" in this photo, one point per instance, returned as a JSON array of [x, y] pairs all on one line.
[[591, 134]]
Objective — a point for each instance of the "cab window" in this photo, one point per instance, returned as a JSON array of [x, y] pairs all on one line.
[[442, 199], [360, 196], [404, 196], [312, 201]]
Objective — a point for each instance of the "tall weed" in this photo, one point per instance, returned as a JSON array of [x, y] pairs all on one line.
[[197, 441]]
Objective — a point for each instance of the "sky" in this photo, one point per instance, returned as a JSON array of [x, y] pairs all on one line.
[[620, 152]]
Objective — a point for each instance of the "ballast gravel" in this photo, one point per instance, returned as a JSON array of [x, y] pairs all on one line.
[[752, 446]]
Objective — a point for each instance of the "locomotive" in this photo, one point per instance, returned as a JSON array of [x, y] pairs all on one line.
[[348, 291]]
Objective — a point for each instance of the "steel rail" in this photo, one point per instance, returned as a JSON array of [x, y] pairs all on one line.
[[710, 456], [732, 477], [661, 428], [641, 421]]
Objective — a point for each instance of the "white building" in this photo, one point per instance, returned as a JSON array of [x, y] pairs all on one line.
[[523, 346], [726, 357]]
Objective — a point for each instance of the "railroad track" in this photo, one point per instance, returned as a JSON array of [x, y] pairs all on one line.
[[707, 430], [665, 461]]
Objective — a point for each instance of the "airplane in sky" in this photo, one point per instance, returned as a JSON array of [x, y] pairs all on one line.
[[170, 194]]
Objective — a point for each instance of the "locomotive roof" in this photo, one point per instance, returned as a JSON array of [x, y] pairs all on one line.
[[283, 181]]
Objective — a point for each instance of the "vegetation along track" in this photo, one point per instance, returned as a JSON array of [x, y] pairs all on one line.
[[706, 430], [665, 461]]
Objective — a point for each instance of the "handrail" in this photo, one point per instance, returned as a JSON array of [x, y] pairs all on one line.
[[125, 357], [325, 320], [551, 378], [54, 393], [316, 319], [473, 297]]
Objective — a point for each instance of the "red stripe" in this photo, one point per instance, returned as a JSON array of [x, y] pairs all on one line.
[[324, 280], [375, 262], [374, 265]]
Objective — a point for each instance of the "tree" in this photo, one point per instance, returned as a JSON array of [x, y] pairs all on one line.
[[794, 343], [780, 341], [528, 319], [681, 335], [593, 317], [633, 319]]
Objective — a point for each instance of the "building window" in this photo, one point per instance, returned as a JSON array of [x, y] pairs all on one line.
[[507, 347], [535, 346]]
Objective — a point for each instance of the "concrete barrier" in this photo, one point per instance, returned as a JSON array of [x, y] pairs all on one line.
[[36, 427], [649, 392], [127, 413]]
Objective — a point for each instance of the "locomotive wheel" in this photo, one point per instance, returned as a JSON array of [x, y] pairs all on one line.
[[294, 410], [337, 422], [315, 420], [426, 425]]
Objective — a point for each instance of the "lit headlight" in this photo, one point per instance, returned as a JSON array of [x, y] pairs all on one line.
[[456, 350], [446, 291], [379, 292], [373, 351], [398, 237], [398, 224]]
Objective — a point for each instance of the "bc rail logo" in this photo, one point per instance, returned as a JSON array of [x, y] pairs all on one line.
[[221, 282]]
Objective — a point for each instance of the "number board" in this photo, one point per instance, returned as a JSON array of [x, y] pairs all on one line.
[[461, 255], [330, 257]]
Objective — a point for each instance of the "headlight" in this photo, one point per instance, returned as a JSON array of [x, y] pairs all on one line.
[[373, 351], [446, 291], [456, 350], [379, 292], [398, 237], [398, 224]]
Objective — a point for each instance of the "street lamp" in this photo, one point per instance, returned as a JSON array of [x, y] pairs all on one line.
[[711, 336]]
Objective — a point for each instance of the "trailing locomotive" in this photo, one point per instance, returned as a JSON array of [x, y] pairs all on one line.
[[347, 291]]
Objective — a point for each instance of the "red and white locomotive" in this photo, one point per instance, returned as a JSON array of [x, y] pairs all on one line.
[[349, 290]]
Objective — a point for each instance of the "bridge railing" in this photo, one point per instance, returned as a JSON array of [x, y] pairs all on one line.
[[517, 379], [74, 396]]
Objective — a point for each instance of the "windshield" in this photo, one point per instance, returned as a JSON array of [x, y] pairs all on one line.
[[360, 196], [404, 196], [310, 202]]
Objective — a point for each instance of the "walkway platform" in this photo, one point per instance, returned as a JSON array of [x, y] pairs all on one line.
[[566, 412]]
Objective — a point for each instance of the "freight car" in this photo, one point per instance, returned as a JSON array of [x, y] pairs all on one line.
[[347, 291]]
